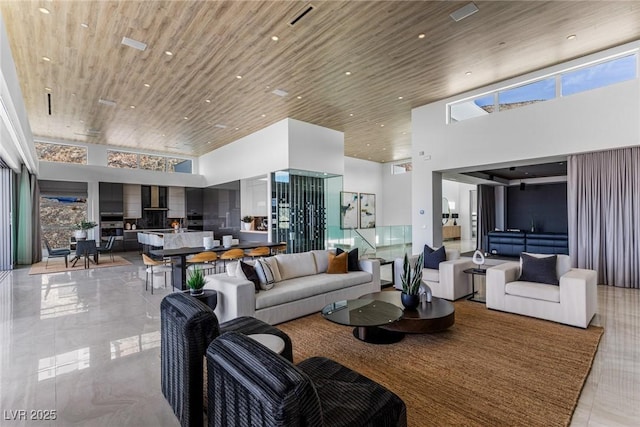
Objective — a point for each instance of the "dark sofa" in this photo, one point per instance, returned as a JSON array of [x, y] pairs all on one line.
[[512, 243]]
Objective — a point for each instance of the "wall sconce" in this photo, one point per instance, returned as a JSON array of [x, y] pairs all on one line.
[[455, 218]]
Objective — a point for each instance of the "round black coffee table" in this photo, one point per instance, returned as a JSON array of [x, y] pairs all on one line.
[[435, 316], [366, 315]]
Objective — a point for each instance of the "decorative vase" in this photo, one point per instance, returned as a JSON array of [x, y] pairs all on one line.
[[246, 226], [227, 240], [80, 234], [410, 302], [196, 292], [207, 242]]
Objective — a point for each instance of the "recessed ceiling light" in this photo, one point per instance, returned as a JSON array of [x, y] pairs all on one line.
[[401, 97], [299, 97], [81, 121], [264, 115], [48, 89], [208, 101], [168, 53], [571, 37], [348, 73], [404, 133], [132, 106], [147, 85], [368, 145], [46, 58], [275, 38], [350, 114], [468, 73], [384, 148], [73, 94], [186, 118], [208, 142], [382, 126], [238, 76], [44, 10], [84, 25], [237, 128], [421, 35]]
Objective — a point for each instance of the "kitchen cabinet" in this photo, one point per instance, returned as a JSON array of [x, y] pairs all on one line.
[[111, 198], [194, 198], [176, 202], [132, 201]]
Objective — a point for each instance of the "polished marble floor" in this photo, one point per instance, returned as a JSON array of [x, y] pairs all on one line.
[[87, 345]]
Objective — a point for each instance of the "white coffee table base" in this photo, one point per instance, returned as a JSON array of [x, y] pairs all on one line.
[[272, 342]]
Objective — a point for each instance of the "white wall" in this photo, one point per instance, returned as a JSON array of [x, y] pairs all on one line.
[[16, 146], [254, 197], [599, 119], [396, 190], [315, 148]]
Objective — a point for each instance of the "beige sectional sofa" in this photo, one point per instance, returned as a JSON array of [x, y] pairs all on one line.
[[304, 288]]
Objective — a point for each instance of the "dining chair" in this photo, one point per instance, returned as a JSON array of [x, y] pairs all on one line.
[[230, 255], [205, 260], [108, 248], [260, 251], [56, 253], [280, 249], [153, 267]]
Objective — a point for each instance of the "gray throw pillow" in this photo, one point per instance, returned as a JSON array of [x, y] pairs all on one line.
[[539, 270], [433, 258]]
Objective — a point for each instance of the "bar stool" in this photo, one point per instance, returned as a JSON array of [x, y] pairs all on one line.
[[260, 251], [230, 255], [205, 260], [154, 267]]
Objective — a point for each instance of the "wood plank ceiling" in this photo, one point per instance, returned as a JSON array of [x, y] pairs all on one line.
[[194, 101]]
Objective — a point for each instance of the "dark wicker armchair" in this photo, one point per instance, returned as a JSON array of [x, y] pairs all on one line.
[[251, 386], [187, 328]]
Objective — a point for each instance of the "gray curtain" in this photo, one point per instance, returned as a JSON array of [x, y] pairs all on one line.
[[603, 192], [486, 214], [28, 247]]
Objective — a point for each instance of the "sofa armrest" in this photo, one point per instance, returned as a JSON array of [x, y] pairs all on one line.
[[371, 266], [579, 296], [497, 278], [452, 277], [236, 296]]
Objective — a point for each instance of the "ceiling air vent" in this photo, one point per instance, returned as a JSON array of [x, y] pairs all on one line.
[[301, 15], [134, 43], [107, 102], [280, 92], [464, 12]]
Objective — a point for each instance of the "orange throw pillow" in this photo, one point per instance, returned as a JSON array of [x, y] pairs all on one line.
[[337, 263]]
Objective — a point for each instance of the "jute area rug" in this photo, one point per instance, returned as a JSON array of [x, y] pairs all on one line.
[[489, 369], [56, 265]]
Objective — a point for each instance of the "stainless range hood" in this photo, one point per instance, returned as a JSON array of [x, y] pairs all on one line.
[[155, 200]]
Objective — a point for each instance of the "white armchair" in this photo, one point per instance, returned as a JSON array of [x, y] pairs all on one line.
[[448, 282], [573, 302]]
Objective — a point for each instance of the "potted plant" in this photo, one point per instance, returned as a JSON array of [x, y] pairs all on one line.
[[196, 282], [411, 281], [81, 228], [247, 222]]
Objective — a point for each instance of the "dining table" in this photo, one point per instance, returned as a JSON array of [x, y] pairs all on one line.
[[179, 257]]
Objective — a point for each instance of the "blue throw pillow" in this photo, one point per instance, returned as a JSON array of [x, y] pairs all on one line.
[[433, 258], [539, 270]]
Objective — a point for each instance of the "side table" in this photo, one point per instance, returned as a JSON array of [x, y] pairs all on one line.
[[473, 272], [209, 297]]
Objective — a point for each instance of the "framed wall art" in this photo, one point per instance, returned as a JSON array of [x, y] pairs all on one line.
[[348, 210], [367, 210]]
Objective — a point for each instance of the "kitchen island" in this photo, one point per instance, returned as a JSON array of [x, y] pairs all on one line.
[[173, 239]]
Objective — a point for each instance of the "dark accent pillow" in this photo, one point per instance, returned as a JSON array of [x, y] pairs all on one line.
[[539, 270], [251, 274], [433, 258], [337, 263], [352, 259]]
